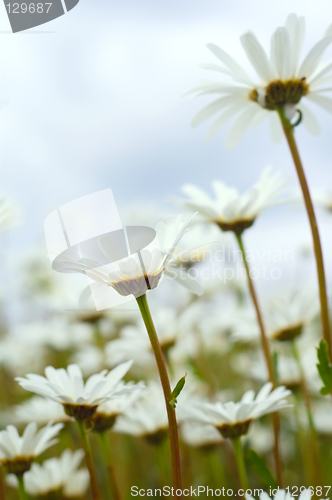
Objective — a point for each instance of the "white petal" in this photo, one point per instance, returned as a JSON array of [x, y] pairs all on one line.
[[212, 109], [238, 73], [185, 279], [309, 120], [225, 116], [241, 124], [257, 56], [281, 53], [296, 30], [324, 102], [312, 60]]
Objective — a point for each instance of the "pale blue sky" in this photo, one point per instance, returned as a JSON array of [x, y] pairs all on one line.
[[99, 103]]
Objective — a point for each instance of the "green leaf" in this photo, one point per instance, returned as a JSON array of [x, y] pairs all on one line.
[[324, 367], [177, 390], [259, 466]]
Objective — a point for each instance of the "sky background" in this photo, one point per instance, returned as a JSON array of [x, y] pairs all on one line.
[[95, 100]]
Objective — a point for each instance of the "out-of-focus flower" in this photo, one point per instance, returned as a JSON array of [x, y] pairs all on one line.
[[285, 317], [18, 356], [305, 494], [135, 274], [89, 358], [18, 452], [234, 419], [146, 417], [39, 410], [56, 476], [283, 82], [106, 414], [80, 400], [230, 210], [8, 214], [200, 435]]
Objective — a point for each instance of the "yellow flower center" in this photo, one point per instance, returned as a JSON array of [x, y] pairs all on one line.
[[279, 93]]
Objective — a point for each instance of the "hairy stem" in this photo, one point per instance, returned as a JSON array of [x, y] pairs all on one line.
[[88, 460], [289, 133], [241, 466], [268, 359], [162, 369]]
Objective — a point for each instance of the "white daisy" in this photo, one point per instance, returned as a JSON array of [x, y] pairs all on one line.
[[231, 210], [18, 452], [281, 84], [39, 410], [56, 476], [285, 316], [79, 399], [106, 414], [306, 494], [146, 417], [141, 271], [234, 419], [200, 435]]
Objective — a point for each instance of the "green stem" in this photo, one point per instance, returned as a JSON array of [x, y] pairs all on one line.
[[106, 451], [289, 133], [88, 460], [315, 454], [268, 359], [241, 466], [162, 369], [21, 488]]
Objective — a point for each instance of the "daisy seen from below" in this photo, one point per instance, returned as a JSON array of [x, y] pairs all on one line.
[[17, 453], [230, 210], [80, 400], [57, 476], [233, 420], [283, 81]]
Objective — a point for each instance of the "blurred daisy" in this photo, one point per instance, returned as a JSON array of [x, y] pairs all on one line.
[[8, 213], [56, 476], [18, 452], [107, 413], [147, 417], [283, 81], [230, 210], [283, 495], [286, 317], [233, 419], [80, 400], [141, 271], [39, 410], [200, 435]]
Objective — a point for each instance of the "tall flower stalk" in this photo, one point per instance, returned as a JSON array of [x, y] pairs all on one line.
[[106, 451], [21, 488], [268, 359], [241, 466], [88, 459], [288, 129], [162, 369]]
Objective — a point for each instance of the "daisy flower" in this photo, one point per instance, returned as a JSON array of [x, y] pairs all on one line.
[[80, 400], [282, 81], [305, 494], [147, 417], [230, 210], [286, 317], [18, 452], [39, 410], [141, 271], [56, 476], [106, 414], [203, 436], [233, 419]]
